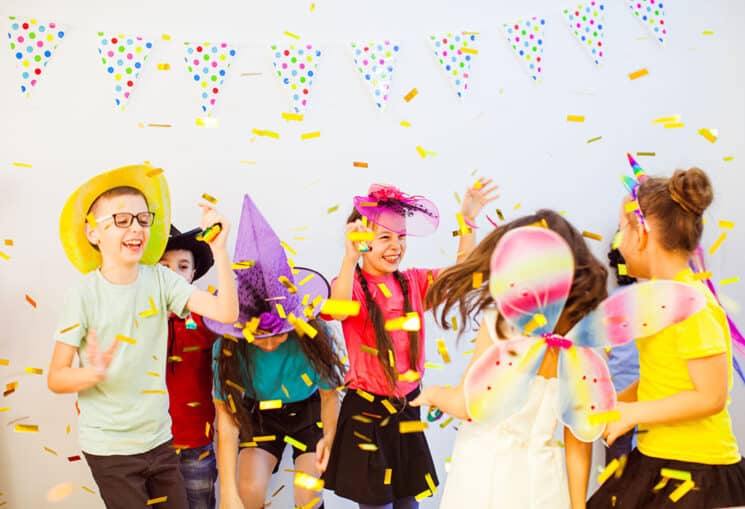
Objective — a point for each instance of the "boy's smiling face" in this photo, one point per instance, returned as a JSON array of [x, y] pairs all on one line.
[[118, 246]]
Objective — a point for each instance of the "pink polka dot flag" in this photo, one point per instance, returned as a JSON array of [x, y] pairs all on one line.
[[208, 64], [526, 39], [123, 58], [455, 53], [32, 44], [296, 66]]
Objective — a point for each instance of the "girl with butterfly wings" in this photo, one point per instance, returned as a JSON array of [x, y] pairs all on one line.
[[534, 362]]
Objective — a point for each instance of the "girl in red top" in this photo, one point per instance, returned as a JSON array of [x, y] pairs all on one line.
[[371, 462]]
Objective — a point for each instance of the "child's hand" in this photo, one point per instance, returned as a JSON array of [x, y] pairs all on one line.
[[99, 361], [351, 248], [475, 199], [424, 398], [615, 429], [323, 451], [211, 216]]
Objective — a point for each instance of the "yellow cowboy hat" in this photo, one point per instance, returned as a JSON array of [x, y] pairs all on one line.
[[150, 181]]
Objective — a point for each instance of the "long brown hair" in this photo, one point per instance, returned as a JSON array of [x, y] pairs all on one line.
[[383, 342], [678, 203], [454, 286], [235, 365]]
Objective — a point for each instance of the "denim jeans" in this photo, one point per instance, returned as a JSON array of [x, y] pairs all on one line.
[[199, 476]]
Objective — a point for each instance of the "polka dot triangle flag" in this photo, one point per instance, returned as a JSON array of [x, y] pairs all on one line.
[[455, 53], [123, 58], [296, 65], [652, 14], [526, 39], [208, 65], [32, 44], [587, 22], [375, 62]]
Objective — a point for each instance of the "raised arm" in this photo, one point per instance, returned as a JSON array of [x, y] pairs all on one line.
[[341, 289], [474, 200]]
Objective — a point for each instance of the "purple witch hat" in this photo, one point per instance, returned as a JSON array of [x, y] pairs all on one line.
[[267, 287]]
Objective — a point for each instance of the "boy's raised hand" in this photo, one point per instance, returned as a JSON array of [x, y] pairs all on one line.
[[210, 216], [98, 360], [477, 196]]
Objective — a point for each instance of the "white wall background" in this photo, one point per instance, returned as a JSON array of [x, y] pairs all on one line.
[[507, 127]]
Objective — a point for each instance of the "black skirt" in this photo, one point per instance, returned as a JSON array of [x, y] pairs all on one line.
[[359, 474], [716, 486]]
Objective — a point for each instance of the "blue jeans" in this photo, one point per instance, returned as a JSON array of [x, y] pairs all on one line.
[[199, 476]]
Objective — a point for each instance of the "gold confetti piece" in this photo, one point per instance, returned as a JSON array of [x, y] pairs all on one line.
[[457, 197], [430, 483], [359, 164], [86, 488], [623, 270], [231, 404], [727, 225], [203, 455], [167, 125], [646, 154], [680, 475], [405, 123], [8, 242], [265, 133], [368, 447], [31, 301], [22, 165], [666, 120], [411, 426], [290, 34], [60, 492], [4, 409], [247, 444], [5, 256], [477, 279], [207, 427], [707, 32], [67, 430], [288, 248], [575, 118], [729, 281], [536, 322], [361, 418], [175, 358], [409, 375], [681, 490], [26, 428], [391, 359], [271, 404], [4, 362], [125, 339], [717, 243], [209, 198], [365, 395], [409, 322], [51, 451], [412, 94], [500, 215], [638, 74], [152, 373], [469, 51], [709, 134], [68, 329], [308, 482], [728, 158], [673, 125], [164, 67], [341, 307], [308, 136], [369, 349], [158, 500], [699, 276], [424, 153], [361, 236], [593, 140], [153, 391], [235, 386], [388, 406], [442, 349], [166, 37], [591, 235], [608, 471], [295, 443], [312, 7], [447, 421], [387, 478], [604, 417], [423, 495], [193, 404], [454, 322], [297, 117], [34, 371]]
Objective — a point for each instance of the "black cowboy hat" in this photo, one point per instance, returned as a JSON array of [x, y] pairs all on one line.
[[201, 251]]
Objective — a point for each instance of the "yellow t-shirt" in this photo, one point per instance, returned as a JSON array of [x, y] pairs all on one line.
[[663, 372]]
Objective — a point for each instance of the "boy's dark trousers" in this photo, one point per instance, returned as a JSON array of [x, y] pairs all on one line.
[[127, 481]]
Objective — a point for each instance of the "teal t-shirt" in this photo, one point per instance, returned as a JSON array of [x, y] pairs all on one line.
[[284, 366], [128, 412]]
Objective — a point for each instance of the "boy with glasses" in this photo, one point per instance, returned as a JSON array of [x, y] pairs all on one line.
[[114, 229]]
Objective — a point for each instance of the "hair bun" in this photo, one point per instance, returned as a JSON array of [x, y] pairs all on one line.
[[691, 189]]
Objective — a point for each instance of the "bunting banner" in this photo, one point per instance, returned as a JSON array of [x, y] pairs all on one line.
[[526, 39], [123, 58], [652, 14], [587, 22], [455, 53], [208, 65], [32, 44], [375, 62], [296, 67]]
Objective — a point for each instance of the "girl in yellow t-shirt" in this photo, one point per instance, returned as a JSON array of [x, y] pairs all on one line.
[[680, 402]]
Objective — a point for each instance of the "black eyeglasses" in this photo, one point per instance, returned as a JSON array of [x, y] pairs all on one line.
[[124, 219]]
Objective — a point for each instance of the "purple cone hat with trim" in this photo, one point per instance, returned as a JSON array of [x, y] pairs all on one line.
[[397, 211], [267, 287]]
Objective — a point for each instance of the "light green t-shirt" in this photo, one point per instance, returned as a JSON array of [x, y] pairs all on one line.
[[128, 412]]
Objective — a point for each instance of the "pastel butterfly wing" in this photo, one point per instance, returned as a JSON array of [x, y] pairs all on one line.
[[497, 384], [585, 389], [531, 276], [637, 311]]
